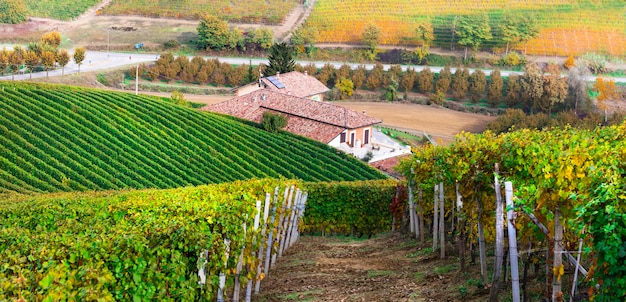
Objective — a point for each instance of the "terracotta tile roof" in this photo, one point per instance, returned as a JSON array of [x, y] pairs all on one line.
[[321, 121], [387, 166], [297, 84]]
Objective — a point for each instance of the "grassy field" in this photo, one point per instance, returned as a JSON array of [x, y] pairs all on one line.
[[248, 11], [59, 9], [63, 138], [568, 27]]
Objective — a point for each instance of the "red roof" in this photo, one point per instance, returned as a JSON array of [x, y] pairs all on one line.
[[321, 121], [297, 84]]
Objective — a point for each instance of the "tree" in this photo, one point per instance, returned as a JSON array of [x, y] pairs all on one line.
[[514, 91], [273, 122], [304, 38], [425, 36], [532, 86], [394, 72], [79, 56], [32, 60], [443, 80], [371, 39], [343, 72], [213, 33], [518, 28], [327, 75], [569, 62], [477, 84], [472, 31], [578, 86], [13, 11], [606, 91], [494, 91], [460, 84], [4, 59], [358, 76], [391, 92], [408, 79], [263, 38], [52, 38], [47, 60], [375, 78], [237, 75], [554, 89], [63, 57], [345, 86], [16, 60], [281, 58], [425, 80]]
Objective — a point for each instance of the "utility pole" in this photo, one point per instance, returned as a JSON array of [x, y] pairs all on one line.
[[108, 40], [137, 80]]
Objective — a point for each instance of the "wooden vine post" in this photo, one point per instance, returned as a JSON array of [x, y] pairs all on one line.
[[420, 215], [270, 238], [435, 217], [266, 211], [497, 269], [557, 294], [508, 190], [460, 234], [442, 237], [481, 234], [257, 221]]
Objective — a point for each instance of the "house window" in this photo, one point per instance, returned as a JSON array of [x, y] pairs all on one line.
[[366, 136], [315, 97], [342, 137]]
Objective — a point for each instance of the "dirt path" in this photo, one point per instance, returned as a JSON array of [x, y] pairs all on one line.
[[385, 268]]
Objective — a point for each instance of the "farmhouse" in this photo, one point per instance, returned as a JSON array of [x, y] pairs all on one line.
[[298, 97], [291, 83]]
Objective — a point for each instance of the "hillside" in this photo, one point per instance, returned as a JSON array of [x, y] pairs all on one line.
[[64, 138], [566, 26]]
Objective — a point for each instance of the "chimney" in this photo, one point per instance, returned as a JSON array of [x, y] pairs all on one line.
[[263, 97], [306, 73], [278, 74], [364, 112]]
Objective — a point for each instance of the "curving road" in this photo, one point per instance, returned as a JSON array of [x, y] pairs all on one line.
[[96, 61]]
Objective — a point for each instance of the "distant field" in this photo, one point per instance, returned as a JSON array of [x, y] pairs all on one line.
[[244, 11], [59, 9], [567, 26]]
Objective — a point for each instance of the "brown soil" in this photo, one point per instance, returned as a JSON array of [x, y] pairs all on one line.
[[386, 268], [441, 123]]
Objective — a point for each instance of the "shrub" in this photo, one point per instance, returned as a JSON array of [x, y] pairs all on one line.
[[171, 44], [345, 86], [569, 62], [513, 59], [272, 122], [594, 62]]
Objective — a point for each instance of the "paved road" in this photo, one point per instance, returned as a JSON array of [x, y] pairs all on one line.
[[95, 61]]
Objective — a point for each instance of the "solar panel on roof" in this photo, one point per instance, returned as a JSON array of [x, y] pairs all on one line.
[[276, 82]]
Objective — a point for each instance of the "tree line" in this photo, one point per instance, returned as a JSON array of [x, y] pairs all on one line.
[[537, 90], [39, 55]]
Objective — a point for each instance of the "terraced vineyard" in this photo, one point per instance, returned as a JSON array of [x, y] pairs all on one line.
[[568, 27], [62, 138], [248, 11]]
